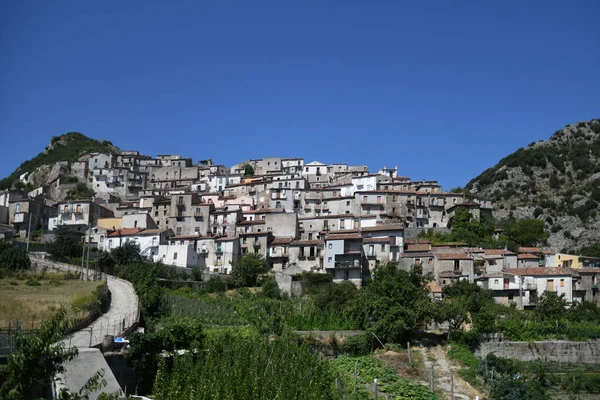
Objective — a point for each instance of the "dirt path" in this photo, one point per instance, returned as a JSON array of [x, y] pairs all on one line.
[[443, 368]]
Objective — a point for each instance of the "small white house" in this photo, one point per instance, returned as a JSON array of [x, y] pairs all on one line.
[[149, 240], [178, 255]]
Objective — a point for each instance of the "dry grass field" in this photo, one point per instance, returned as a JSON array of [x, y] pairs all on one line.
[[24, 300]]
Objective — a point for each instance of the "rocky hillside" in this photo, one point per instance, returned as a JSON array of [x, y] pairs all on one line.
[[46, 166], [555, 180]]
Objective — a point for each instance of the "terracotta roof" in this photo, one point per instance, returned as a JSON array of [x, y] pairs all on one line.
[[281, 240], [452, 256], [426, 254], [450, 244], [416, 241], [124, 232], [226, 238], [433, 287], [418, 247], [498, 252], [343, 237], [527, 257], [376, 240], [587, 270], [538, 271], [528, 249], [306, 243]]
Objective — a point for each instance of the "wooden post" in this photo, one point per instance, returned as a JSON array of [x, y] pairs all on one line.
[[451, 386], [432, 379], [409, 355], [376, 394], [355, 374]]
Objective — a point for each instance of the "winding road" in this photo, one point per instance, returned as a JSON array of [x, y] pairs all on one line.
[[122, 314]]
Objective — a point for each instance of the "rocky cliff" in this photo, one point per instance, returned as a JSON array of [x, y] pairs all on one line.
[[56, 159], [555, 180]]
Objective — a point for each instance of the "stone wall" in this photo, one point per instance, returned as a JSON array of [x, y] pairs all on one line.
[[546, 351]]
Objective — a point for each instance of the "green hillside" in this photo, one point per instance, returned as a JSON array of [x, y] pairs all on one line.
[[68, 147]]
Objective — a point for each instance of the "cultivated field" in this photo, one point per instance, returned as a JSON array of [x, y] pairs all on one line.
[[32, 301]]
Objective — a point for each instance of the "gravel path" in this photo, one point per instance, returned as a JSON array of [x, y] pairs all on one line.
[[436, 356], [122, 314]]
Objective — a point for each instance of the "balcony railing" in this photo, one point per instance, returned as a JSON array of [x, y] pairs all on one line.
[[219, 250], [529, 286], [256, 243]]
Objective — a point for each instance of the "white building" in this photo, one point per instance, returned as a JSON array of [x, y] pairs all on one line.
[[149, 240], [178, 255]]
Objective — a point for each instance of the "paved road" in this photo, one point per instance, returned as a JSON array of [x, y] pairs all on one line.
[[121, 314]]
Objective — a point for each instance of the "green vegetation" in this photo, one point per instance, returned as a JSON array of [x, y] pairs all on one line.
[[12, 258], [68, 147], [66, 245], [369, 368], [469, 230], [32, 297], [80, 192], [248, 170], [246, 367], [36, 359]]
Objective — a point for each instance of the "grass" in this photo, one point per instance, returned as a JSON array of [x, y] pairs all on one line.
[[30, 299]]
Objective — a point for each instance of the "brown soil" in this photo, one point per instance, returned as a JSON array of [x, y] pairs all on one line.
[[398, 363]]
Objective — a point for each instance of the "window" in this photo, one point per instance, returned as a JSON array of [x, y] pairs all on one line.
[[562, 283], [383, 247], [348, 203], [378, 199], [178, 230], [330, 245], [156, 213], [244, 240], [365, 199], [329, 259], [371, 250], [175, 256], [135, 224], [495, 281]]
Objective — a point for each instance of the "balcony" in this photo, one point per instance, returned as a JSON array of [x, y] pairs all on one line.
[[66, 211], [256, 243], [203, 253], [78, 210], [372, 203], [219, 250], [198, 215], [529, 286]]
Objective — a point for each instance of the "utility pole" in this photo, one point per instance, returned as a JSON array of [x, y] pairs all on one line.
[[521, 283], [28, 231], [88, 255]]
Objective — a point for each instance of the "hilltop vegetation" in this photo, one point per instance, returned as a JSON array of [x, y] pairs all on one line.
[[68, 147], [556, 181]]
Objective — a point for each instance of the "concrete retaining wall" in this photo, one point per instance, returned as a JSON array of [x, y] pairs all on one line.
[[547, 351]]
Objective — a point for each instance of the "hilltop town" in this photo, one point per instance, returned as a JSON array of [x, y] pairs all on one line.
[[300, 216]]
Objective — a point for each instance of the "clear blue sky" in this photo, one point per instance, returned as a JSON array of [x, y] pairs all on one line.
[[443, 89]]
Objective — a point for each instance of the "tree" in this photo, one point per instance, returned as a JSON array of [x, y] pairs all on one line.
[[247, 269], [394, 303], [66, 244], [36, 359], [127, 253], [13, 258], [80, 191], [177, 333], [270, 288], [465, 302], [248, 170], [105, 262], [526, 232], [551, 306]]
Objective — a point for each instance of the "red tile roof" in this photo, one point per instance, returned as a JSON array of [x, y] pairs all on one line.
[[498, 252], [418, 247], [538, 271], [136, 232], [306, 243], [416, 241], [343, 237], [281, 240], [253, 222], [452, 256], [527, 257]]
